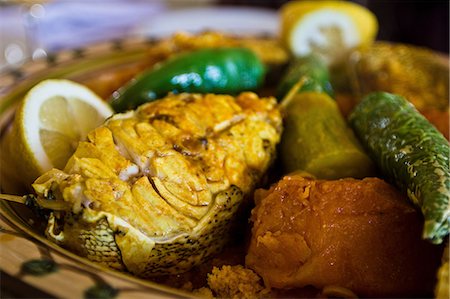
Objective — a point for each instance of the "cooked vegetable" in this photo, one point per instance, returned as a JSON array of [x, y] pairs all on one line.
[[154, 191], [214, 70], [410, 152], [315, 71], [361, 235], [316, 137]]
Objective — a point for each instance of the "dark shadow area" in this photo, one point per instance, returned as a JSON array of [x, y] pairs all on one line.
[[418, 22], [11, 287]]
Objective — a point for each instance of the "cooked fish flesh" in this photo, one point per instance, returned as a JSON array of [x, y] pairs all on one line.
[[153, 191]]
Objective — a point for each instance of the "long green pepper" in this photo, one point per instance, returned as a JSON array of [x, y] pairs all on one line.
[[213, 70], [411, 153]]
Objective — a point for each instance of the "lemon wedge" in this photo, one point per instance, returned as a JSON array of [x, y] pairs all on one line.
[[328, 28], [52, 118]]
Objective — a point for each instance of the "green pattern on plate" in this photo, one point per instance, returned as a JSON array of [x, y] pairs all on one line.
[[39, 267], [101, 291]]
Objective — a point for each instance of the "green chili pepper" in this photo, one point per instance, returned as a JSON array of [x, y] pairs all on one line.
[[214, 70], [411, 153], [315, 72]]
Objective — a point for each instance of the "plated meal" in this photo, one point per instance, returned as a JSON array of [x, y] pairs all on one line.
[[244, 166]]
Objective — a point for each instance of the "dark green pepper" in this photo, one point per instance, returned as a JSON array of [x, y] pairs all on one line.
[[213, 70], [411, 153], [315, 72]]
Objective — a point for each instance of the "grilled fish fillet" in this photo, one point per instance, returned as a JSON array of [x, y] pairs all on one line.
[[153, 191]]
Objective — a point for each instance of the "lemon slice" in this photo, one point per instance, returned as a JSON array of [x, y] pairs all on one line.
[[53, 117], [327, 28]]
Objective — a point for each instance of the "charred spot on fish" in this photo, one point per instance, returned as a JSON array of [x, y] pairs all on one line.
[[204, 142], [266, 144], [192, 146], [177, 148], [164, 117], [189, 98]]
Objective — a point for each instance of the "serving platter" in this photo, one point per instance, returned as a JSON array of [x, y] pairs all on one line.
[[34, 266]]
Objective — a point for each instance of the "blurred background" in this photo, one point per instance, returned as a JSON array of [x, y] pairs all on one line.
[[32, 29]]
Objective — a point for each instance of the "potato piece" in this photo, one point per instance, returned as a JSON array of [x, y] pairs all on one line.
[[358, 234]]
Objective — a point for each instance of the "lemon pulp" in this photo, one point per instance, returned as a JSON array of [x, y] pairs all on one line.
[[64, 122], [327, 28], [52, 118]]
